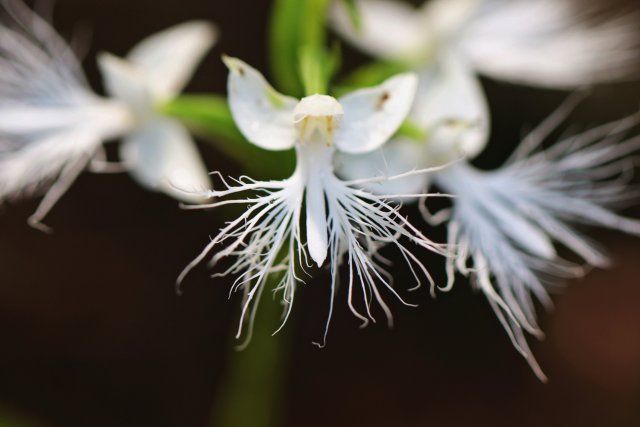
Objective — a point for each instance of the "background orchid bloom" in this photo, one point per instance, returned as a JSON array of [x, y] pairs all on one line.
[[52, 125], [545, 43], [505, 223], [542, 43], [342, 223]]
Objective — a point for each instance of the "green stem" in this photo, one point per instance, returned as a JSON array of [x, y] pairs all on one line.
[[294, 24], [251, 395]]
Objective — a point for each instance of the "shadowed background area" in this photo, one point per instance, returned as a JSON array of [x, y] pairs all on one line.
[[93, 333]]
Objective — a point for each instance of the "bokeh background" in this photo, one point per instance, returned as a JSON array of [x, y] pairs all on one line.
[[92, 332]]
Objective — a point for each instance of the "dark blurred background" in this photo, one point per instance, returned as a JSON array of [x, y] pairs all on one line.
[[93, 333]]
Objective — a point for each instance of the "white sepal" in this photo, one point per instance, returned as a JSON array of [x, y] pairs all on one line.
[[373, 115], [446, 18], [451, 105], [550, 43], [168, 59], [389, 28], [126, 82], [161, 156], [264, 116]]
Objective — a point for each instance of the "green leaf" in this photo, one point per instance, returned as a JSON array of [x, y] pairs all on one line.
[[295, 24], [209, 117]]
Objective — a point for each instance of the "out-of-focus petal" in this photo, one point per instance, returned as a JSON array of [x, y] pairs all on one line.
[[452, 106], [169, 58], [389, 28], [504, 222], [549, 43], [32, 168], [373, 115], [125, 82], [396, 157], [163, 157], [446, 18], [264, 116]]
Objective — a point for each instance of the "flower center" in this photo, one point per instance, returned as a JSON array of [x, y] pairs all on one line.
[[316, 118]]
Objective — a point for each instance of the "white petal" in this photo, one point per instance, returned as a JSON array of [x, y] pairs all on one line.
[[451, 104], [163, 157], [549, 43], [264, 116], [125, 82], [372, 116], [17, 120], [169, 58], [32, 168], [389, 28], [446, 18], [108, 119], [395, 157], [317, 239]]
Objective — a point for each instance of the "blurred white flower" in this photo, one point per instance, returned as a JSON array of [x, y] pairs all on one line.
[[542, 43], [546, 43], [343, 223], [504, 223], [52, 125]]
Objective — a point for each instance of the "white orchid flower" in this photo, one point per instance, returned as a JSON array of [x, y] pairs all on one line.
[[52, 125], [342, 222], [505, 223], [544, 43]]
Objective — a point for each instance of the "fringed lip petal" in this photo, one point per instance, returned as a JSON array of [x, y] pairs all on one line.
[[45, 100], [51, 123], [316, 222], [343, 224], [503, 222]]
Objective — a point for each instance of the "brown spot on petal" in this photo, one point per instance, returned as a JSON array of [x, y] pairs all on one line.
[[383, 100]]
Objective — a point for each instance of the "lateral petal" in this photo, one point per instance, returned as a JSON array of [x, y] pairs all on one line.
[[373, 115], [264, 116]]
